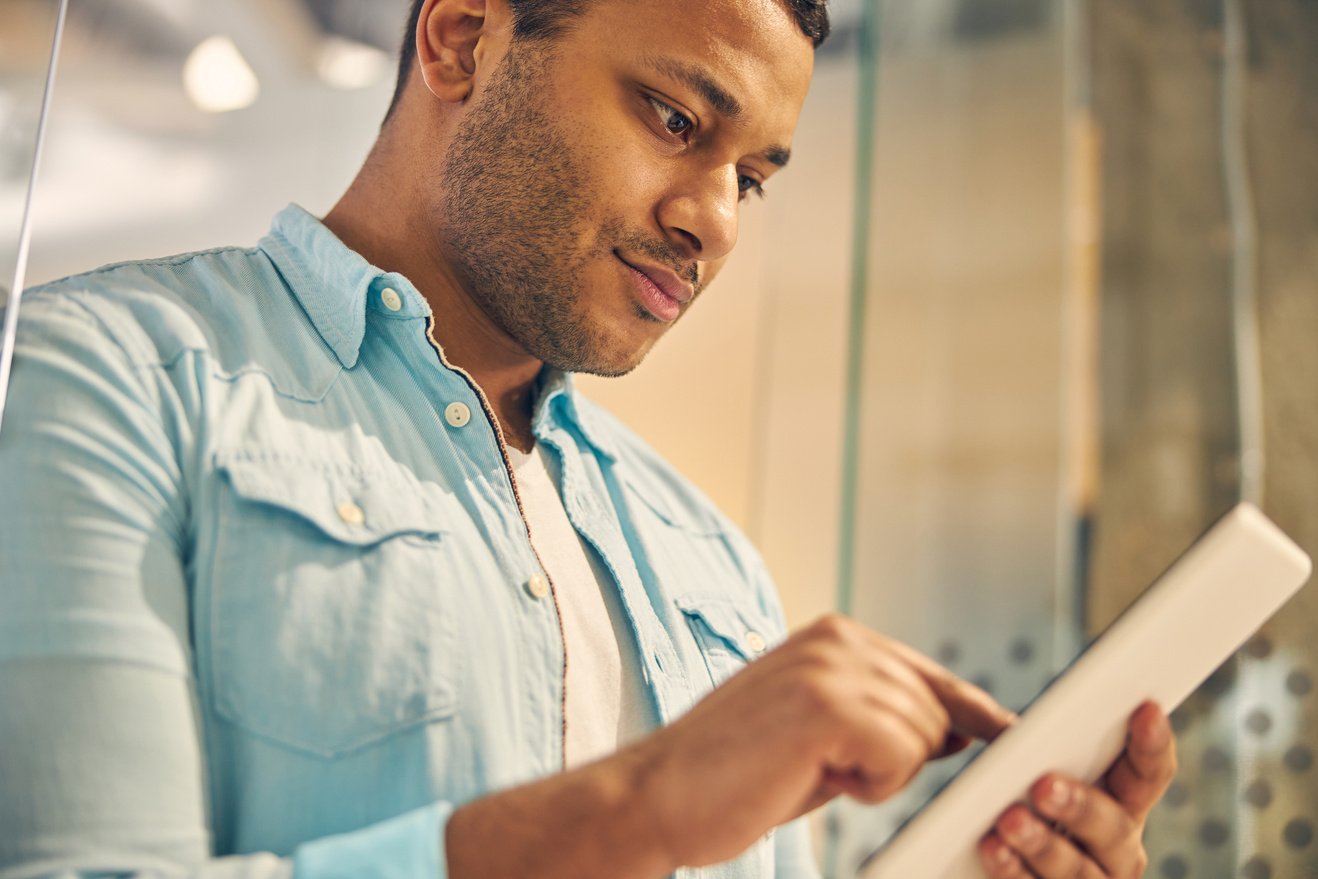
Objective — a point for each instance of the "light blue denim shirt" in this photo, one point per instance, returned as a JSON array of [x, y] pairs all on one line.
[[263, 588]]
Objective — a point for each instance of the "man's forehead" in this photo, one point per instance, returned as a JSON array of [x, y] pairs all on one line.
[[749, 54]]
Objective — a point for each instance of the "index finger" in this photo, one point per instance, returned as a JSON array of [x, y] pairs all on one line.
[[970, 710]]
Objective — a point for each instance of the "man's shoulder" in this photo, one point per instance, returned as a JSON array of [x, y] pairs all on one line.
[[178, 276], [230, 304], [157, 307]]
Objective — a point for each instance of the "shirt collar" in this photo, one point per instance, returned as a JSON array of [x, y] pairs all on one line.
[[329, 279], [560, 398], [332, 283]]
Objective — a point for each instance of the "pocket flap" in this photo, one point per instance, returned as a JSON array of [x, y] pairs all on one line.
[[738, 630], [350, 506]]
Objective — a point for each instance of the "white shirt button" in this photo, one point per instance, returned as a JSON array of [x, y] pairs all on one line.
[[457, 414], [392, 301], [537, 586], [755, 642], [351, 513]]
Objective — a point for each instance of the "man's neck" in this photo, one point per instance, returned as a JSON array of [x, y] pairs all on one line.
[[376, 224]]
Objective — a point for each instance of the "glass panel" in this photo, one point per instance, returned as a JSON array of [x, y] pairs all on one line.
[[799, 243], [1090, 296], [966, 506], [1210, 303]]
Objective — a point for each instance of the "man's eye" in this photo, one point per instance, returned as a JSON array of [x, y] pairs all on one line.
[[747, 184], [673, 121]]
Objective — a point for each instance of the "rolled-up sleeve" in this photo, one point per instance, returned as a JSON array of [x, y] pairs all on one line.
[[102, 768]]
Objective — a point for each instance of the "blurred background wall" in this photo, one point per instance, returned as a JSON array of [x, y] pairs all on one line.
[[1036, 302], [1209, 375]]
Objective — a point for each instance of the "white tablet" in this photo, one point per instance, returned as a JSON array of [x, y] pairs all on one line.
[[1183, 627]]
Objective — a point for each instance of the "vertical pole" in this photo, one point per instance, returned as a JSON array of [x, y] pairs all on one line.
[[10, 333], [1248, 366], [856, 318], [866, 112]]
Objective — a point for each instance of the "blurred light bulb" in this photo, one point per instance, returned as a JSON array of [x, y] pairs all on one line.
[[218, 78], [348, 64]]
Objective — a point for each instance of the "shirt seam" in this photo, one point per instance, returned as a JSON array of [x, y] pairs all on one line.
[[174, 261]]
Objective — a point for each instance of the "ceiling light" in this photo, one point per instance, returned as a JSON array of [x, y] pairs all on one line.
[[348, 64], [217, 77]]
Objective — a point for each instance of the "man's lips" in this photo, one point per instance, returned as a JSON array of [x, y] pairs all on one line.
[[665, 279]]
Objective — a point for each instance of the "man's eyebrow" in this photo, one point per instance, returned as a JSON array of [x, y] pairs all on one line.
[[695, 78], [778, 155], [714, 94]]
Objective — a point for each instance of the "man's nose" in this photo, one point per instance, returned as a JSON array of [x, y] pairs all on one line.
[[700, 218]]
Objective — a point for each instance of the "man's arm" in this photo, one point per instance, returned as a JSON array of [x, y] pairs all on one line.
[[835, 709], [101, 767]]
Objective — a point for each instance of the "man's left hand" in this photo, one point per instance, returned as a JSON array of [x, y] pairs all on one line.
[[1073, 830]]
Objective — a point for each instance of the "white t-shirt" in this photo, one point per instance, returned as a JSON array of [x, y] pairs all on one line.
[[605, 704]]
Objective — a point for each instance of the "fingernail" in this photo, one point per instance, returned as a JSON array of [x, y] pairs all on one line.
[[1162, 733], [1023, 831], [1058, 797]]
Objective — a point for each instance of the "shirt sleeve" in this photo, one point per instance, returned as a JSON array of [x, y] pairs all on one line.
[[102, 766]]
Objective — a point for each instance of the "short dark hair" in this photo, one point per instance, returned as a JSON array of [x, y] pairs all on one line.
[[542, 20]]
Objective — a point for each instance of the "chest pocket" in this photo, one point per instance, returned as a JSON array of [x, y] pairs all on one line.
[[330, 628], [729, 635]]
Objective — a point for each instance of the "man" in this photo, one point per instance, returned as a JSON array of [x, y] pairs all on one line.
[[315, 563]]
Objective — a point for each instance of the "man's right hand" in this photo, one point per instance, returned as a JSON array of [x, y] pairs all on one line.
[[836, 709]]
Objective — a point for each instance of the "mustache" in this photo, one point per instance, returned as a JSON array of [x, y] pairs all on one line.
[[667, 255]]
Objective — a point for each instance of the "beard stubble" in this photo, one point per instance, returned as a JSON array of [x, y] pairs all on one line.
[[515, 222]]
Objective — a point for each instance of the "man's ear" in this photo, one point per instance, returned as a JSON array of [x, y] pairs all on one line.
[[447, 38]]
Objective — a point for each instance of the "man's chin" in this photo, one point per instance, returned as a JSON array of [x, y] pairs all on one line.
[[604, 367], [606, 364], [606, 352], [607, 371]]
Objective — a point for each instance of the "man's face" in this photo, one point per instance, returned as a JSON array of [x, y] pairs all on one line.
[[594, 187]]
